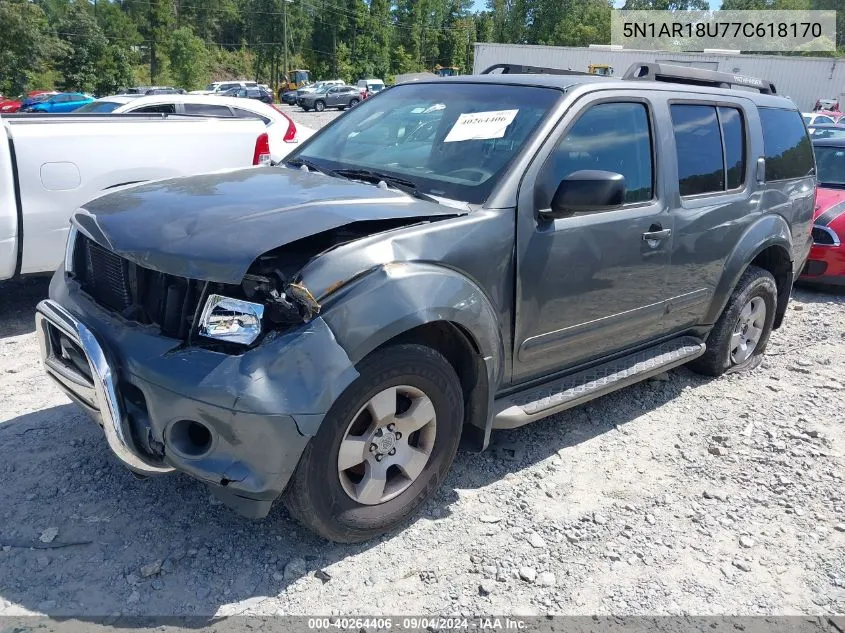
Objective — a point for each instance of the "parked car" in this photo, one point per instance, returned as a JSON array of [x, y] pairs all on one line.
[[61, 102], [320, 86], [249, 93], [289, 97], [812, 119], [826, 262], [369, 87], [283, 133], [153, 90], [827, 131], [219, 87], [340, 97], [48, 170], [10, 106], [331, 328]]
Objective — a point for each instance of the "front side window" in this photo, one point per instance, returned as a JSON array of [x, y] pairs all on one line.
[[823, 120], [100, 106], [160, 108], [452, 141], [613, 137]]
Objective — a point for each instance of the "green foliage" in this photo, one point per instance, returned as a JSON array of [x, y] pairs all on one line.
[[189, 59], [25, 45], [103, 45]]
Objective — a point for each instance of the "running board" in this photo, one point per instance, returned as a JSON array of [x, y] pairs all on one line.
[[570, 391]]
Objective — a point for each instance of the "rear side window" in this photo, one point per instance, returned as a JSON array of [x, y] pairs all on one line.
[[710, 145], [246, 114], [207, 109], [610, 137], [699, 146], [786, 145]]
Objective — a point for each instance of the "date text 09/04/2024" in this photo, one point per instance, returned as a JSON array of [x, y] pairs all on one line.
[[421, 623]]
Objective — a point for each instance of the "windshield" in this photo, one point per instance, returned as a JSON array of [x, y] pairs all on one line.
[[100, 106], [830, 162], [450, 140]]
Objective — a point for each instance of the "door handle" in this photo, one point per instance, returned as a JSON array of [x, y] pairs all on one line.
[[654, 236]]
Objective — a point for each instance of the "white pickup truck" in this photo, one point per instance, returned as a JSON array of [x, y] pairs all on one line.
[[50, 165]]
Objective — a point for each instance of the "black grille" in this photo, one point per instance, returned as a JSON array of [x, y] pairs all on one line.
[[136, 293]]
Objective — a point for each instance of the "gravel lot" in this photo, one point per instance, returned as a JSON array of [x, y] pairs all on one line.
[[678, 495]]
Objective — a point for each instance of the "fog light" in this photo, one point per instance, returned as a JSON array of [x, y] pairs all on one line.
[[231, 320]]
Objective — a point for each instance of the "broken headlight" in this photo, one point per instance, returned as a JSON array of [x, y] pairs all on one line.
[[231, 320]]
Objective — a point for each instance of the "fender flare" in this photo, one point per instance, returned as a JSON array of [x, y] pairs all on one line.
[[770, 230], [394, 298]]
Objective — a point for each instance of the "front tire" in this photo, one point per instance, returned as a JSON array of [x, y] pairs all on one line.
[[383, 448], [319, 106], [738, 340]]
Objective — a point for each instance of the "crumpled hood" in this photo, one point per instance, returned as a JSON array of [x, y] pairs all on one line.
[[213, 226]]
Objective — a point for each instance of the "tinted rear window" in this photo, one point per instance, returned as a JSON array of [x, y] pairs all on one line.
[[699, 147], [786, 144]]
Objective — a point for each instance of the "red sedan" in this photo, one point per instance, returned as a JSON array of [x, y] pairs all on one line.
[[826, 263]]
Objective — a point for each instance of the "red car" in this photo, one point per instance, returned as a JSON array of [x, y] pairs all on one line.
[[9, 105], [826, 263]]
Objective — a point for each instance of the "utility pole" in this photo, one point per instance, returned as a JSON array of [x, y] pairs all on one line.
[[285, 35]]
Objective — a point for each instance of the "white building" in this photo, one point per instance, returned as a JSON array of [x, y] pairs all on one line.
[[803, 79]]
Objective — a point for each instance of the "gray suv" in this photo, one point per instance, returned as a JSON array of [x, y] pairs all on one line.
[[340, 97], [452, 257]]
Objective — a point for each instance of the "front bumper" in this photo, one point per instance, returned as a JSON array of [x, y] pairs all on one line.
[[256, 410], [825, 265]]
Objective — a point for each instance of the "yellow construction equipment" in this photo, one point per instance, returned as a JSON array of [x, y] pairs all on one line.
[[600, 69], [446, 71], [295, 80]]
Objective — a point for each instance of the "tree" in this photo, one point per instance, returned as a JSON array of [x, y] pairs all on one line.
[[25, 44], [83, 44], [189, 58]]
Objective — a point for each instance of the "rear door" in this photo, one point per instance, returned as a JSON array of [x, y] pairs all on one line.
[[713, 202], [592, 284]]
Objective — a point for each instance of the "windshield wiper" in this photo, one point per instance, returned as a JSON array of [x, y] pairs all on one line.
[[299, 162], [403, 185]]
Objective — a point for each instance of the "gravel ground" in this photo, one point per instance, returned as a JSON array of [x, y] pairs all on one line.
[[679, 495]]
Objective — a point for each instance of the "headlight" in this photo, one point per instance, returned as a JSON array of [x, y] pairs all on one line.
[[231, 320]]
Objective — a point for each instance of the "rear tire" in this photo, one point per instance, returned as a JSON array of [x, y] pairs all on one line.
[[738, 340], [353, 102], [319, 106], [419, 386]]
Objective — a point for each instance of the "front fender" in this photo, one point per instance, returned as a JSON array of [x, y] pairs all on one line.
[[394, 298], [770, 230]]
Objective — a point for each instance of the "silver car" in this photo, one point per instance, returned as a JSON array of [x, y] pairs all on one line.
[[340, 97]]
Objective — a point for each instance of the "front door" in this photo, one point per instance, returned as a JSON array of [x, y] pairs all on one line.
[[592, 284]]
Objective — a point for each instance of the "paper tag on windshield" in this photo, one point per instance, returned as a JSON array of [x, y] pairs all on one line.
[[479, 126]]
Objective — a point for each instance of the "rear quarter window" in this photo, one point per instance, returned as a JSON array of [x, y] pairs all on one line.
[[786, 145]]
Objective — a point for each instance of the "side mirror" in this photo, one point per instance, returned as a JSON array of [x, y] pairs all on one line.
[[586, 191]]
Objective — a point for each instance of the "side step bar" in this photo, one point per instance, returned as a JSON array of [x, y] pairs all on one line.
[[570, 391]]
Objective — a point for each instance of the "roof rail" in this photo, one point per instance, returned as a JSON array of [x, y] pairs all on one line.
[[652, 71], [519, 69]]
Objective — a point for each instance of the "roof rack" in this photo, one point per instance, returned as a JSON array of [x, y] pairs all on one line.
[[519, 69], [652, 71]]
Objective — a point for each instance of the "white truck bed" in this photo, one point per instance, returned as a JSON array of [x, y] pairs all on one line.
[[50, 165]]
